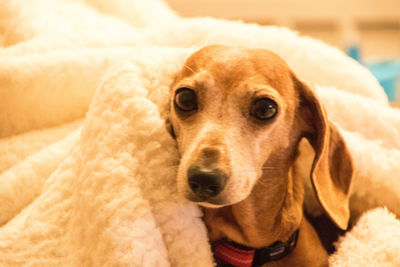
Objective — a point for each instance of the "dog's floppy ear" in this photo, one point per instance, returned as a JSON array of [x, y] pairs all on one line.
[[332, 168]]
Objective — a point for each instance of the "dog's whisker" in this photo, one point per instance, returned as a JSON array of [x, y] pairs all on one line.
[[268, 168], [262, 183]]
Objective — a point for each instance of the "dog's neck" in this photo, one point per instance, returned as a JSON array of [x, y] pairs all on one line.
[[251, 224], [308, 251]]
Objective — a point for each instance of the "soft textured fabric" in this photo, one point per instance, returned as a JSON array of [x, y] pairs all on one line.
[[87, 166]]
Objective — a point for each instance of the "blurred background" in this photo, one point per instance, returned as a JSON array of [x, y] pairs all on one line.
[[367, 30]]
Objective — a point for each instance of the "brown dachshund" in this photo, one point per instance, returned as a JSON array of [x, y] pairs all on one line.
[[238, 116]]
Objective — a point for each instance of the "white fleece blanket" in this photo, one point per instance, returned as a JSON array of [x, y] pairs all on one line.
[[98, 188]]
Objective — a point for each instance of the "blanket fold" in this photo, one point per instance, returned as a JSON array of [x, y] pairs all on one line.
[[87, 166]]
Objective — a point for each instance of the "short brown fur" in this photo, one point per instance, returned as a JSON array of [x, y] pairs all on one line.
[[263, 198]]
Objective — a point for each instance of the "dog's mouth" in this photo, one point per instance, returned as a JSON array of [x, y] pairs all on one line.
[[227, 197], [208, 177], [214, 202]]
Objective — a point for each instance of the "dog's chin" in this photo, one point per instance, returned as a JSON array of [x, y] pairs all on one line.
[[209, 205], [226, 198], [217, 202]]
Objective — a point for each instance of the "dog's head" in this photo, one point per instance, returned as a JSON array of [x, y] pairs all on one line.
[[238, 116]]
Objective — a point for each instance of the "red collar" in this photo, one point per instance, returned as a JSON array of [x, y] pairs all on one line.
[[228, 253]]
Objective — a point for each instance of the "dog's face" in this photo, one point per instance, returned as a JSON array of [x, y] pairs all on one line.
[[238, 117], [232, 110]]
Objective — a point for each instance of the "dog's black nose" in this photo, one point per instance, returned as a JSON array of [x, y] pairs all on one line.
[[205, 182]]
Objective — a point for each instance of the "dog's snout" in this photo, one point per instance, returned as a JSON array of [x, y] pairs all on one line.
[[206, 183]]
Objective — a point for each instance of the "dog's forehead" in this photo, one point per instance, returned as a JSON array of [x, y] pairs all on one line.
[[229, 66]]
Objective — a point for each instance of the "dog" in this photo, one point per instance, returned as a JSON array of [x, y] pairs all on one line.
[[238, 116]]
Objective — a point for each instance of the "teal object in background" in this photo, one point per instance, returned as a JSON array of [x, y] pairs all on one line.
[[353, 51], [386, 72]]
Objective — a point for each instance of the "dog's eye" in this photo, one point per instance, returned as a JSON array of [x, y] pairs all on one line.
[[185, 99], [264, 109]]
